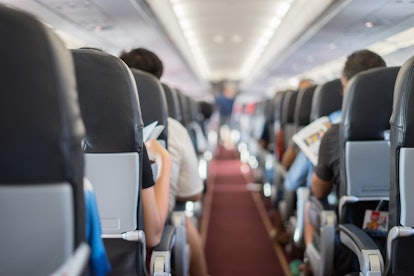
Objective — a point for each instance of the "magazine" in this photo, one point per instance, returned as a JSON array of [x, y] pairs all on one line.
[[309, 138], [152, 131], [375, 220]]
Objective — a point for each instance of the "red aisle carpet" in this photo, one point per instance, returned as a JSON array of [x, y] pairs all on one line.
[[237, 242]]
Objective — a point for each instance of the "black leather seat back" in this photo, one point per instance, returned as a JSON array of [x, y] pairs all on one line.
[[109, 103], [402, 160], [327, 99], [364, 158], [303, 107], [174, 110], [113, 145], [153, 102], [288, 116], [42, 166]]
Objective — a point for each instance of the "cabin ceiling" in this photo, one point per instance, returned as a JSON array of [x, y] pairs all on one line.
[[257, 43]]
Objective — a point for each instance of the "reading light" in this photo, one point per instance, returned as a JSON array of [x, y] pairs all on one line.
[[369, 24]]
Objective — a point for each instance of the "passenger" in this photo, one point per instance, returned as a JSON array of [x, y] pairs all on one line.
[[224, 102], [155, 194], [186, 184], [326, 173]]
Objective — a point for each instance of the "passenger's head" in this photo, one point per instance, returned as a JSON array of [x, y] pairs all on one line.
[[360, 61], [305, 83], [144, 60]]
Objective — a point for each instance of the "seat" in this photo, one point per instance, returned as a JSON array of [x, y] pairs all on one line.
[[154, 108], [301, 118], [364, 165], [113, 150], [174, 110], [288, 128], [288, 117], [153, 101], [275, 174], [400, 241], [327, 98], [41, 173]]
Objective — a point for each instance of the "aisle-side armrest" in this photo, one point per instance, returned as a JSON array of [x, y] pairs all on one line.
[[76, 263], [161, 254], [369, 256]]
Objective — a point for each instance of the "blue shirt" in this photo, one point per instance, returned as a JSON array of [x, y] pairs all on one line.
[[98, 261]]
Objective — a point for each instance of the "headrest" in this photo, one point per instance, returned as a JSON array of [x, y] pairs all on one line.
[[289, 104], [153, 102], [326, 99], [278, 106], [109, 103], [185, 108], [173, 104], [193, 106], [40, 119], [402, 118], [367, 104], [303, 106]]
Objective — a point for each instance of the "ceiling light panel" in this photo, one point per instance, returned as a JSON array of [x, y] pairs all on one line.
[[232, 33]]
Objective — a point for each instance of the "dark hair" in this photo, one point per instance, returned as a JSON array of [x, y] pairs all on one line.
[[206, 109], [144, 60], [360, 61]]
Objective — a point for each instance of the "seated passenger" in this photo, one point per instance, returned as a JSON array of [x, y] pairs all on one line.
[[186, 184], [155, 193], [326, 173]]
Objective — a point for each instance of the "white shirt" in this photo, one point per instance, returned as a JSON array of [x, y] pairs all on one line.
[[185, 180]]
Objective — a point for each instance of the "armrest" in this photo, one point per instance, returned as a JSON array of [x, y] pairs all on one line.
[[76, 263], [302, 195], [167, 239], [177, 218], [161, 254], [369, 256], [181, 249], [321, 251], [394, 233]]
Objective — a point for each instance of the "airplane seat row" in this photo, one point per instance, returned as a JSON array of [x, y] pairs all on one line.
[[325, 99], [154, 106], [364, 165], [400, 239], [301, 118], [43, 220], [45, 162]]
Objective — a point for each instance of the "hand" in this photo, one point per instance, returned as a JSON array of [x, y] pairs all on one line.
[[156, 152]]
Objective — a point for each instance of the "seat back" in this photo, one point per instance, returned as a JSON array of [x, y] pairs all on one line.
[[401, 223], [303, 107], [113, 150], [174, 110], [288, 122], [327, 99], [41, 173], [365, 155], [153, 102], [185, 108], [277, 124]]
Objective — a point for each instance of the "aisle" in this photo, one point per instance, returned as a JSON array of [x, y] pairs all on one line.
[[237, 242]]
